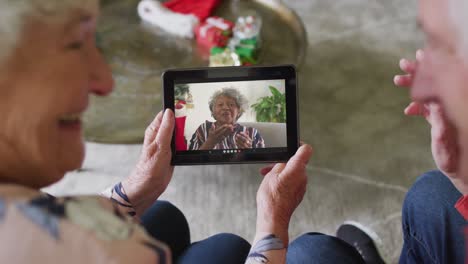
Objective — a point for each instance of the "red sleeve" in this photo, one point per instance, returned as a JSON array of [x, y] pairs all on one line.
[[462, 206]]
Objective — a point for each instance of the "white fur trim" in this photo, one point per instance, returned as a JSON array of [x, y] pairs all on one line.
[[156, 14]]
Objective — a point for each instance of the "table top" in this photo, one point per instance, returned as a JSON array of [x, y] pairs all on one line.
[[139, 54]]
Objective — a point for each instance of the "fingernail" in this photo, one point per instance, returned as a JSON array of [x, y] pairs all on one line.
[[167, 111], [403, 63], [420, 55], [307, 147]]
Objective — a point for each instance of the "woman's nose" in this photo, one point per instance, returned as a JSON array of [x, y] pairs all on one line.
[[101, 81]]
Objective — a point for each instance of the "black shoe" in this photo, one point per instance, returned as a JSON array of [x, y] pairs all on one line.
[[355, 234]]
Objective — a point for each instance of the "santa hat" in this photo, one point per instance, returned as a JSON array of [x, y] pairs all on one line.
[[178, 17], [200, 8]]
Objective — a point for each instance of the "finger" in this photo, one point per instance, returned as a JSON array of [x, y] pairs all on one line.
[[242, 144], [408, 66], [438, 118], [265, 170], [164, 136], [419, 55], [152, 129], [417, 109], [239, 140], [247, 137], [243, 138], [226, 131], [221, 128], [221, 131], [228, 127], [298, 162], [403, 80], [245, 134], [278, 168]]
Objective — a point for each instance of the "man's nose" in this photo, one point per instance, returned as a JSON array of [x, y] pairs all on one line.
[[101, 81]]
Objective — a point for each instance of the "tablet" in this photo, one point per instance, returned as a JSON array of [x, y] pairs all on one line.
[[231, 115]]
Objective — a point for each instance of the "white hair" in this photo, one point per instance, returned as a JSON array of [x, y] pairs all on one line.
[[15, 13], [233, 93], [458, 12]]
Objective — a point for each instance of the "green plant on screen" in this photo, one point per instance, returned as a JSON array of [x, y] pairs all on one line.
[[271, 108]]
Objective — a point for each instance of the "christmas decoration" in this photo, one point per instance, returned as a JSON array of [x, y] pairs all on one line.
[[224, 57], [214, 32], [152, 12]]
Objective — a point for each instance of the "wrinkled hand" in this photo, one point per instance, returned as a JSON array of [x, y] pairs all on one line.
[[444, 141], [216, 135], [243, 141], [153, 172], [281, 192]]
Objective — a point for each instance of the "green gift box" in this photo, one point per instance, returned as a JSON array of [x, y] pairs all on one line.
[[217, 50], [253, 42], [247, 49], [247, 54]]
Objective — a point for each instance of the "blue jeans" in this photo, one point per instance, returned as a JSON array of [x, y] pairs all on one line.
[[432, 227], [166, 223]]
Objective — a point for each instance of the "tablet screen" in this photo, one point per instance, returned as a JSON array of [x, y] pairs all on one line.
[[230, 117]]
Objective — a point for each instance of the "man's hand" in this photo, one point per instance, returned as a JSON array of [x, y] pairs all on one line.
[[216, 135], [280, 193], [153, 172], [444, 141], [243, 141]]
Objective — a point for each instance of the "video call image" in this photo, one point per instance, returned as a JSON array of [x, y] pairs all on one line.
[[230, 115]]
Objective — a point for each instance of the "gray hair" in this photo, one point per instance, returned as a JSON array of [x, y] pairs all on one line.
[[233, 93], [458, 12], [15, 13]]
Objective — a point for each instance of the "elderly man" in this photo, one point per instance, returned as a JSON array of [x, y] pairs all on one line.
[[435, 210]]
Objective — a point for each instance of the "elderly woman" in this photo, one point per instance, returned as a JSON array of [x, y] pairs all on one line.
[[49, 66], [226, 106]]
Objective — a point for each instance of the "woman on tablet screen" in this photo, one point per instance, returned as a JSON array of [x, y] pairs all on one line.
[[226, 106]]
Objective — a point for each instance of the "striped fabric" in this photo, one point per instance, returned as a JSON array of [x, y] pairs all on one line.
[[201, 134]]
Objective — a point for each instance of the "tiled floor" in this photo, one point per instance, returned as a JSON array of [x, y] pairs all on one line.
[[367, 152]]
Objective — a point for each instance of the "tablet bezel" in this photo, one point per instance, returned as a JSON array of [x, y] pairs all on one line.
[[232, 74]]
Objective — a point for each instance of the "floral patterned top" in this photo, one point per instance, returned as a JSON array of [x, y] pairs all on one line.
[[39, 228]]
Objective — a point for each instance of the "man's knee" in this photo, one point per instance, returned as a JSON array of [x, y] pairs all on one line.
[[428, 203], [431, 190]]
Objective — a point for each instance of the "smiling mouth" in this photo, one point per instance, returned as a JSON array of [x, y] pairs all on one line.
[[71, 121]]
